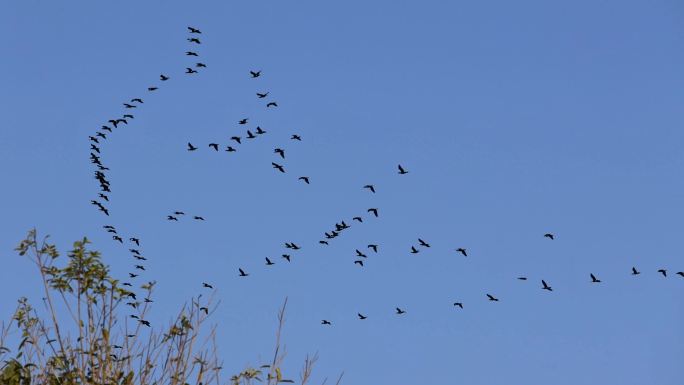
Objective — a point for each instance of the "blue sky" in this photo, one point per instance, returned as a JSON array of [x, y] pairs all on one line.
[[513, 118]]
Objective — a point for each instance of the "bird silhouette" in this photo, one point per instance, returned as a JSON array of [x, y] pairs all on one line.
[[237, 139], [250, 135], [325, 322], [279, 167], [242, 273], [261, 96], [286, 256], [358, 219], [191, 53], [204, 309], [522, 278], [189, 70], [361, 316], [359, 262], [305, 179], [681, 273], [178, 213], [268, 262], [146, 323], [360, 254], [549, 235], [296, 137], [191, 147], [117, 238], [132, 275], [200, 65], [94, 139], [459, 304], [134, 251], [194, 40], [373, 211], [204, 284], [594, 279], [194, 30], [140, 257], [323, 242], [414, 250], [137, 100], [635, 272], [214, 146], [401, 170], [127, 116], [492, 298], [400, 311], [370, 187], [163, 77], [373, 247], [272, 104], [140, 267], [423, 243], [243, 121], [197, 217], [663, 272], [171, 218], [106, 198], [152, 88], [230, 149], [255, 74], [462, 251], [280, 152], [545, 286], [126, 105], [260, 131]]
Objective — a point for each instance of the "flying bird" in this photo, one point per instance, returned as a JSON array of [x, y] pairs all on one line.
[[296, 137], [280, 152], [545, 286], [204, 284], [230, 149], [171, 218], [635, 272], [260, 131], [198, 218], [681, 273], [374, 247], [261, 96], [126, 105], [359, 219], [117, 238], [255, 74], [462, 251], [163, 77], [272, 104], [305, 179], [361, 316], [401, 170], [594, 279], [200, 65], [458, 304], [323, 242], [243, 121], [237, 139], [359, 262], [194, 30], [370, 187], [423, 243], [277, 166], [663, 272], [268, 262], [136, 100], [414, 250], [360, 254], [194, 40], [325, 322], [400, 311], [152, 88], [191, 147], [286, 256], [522, 278], [191, 53], [178, 213], [374, 211], [549, 235], [189, 70], [250, 135], [242, 273], [214, 146], [491, 298]]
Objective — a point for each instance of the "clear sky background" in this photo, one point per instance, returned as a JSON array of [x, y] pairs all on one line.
[[514, 118]]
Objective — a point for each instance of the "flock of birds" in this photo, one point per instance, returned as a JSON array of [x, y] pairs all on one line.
[[335, 231]]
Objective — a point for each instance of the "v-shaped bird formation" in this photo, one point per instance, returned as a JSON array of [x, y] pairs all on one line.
[[248, 132]]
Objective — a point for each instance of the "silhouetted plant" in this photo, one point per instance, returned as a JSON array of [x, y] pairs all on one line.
[[90, 344]]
